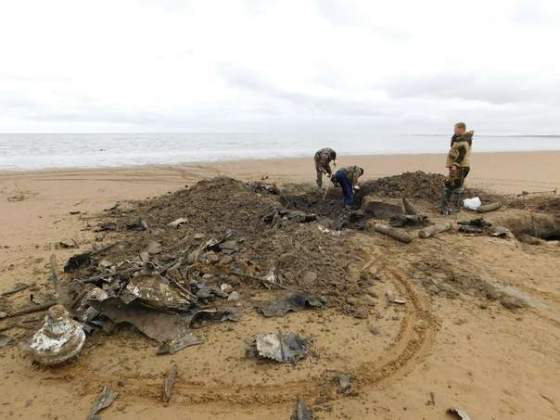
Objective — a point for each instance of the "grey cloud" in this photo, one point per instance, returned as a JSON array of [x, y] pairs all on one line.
[[468, 87], [248, 80]]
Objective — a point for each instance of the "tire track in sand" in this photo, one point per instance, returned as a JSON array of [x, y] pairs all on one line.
[[414, 339]]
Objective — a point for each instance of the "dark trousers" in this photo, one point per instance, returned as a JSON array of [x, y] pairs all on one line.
[[347, 190], [454, 186]]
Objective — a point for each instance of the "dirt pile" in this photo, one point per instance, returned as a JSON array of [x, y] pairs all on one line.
[[417, 185], [199, 254]]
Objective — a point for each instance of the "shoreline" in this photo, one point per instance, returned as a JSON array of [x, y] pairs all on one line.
[[260, 159], [504, 172]]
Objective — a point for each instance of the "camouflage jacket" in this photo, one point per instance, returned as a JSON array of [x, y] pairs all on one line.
[[323, 159], [460, 152]]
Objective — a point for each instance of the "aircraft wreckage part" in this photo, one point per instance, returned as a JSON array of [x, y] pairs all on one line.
[[58, 340], [169, 383], [292, 303], [302, 411], [280, 347], [409, 208], [159, 326], [155, 291], [103, 401]]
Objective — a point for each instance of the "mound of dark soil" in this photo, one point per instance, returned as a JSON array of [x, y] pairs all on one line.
[[226, 237], [417, 185]]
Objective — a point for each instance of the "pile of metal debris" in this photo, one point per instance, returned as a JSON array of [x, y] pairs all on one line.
[[170, 265]]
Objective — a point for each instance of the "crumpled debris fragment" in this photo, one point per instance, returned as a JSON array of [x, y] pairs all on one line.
[[177, 222], [159, 326], [78, 261], [155, 291], [178, 344], [458, 413], [344, 383], [137, 225], [197, 316], [302, 411], [104, 400], [83, 311], [169, 383], [292, 303], [501, 232], [282, 348]]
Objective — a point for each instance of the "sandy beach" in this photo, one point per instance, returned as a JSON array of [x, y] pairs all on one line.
[[497, 363]]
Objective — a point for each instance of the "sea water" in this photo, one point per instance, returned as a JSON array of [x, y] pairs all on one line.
[[41, 151]]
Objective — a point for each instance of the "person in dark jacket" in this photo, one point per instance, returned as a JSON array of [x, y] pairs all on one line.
[[347, 178]]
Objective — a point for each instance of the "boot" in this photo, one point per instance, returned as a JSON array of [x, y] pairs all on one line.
[[459, 196], [446, 195]]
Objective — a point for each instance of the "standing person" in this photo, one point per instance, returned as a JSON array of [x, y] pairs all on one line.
[[323, 158], [459, 166], [348, 180]]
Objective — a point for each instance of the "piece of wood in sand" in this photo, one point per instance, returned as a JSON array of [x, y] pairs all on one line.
[[489, 207], [434, 230], [409, 208], [30, 310], [398, 234]]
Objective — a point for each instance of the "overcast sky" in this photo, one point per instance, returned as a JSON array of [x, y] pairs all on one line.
[[257, 65]]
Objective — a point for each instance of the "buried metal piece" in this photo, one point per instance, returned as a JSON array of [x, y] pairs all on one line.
[[78, 261], [177, 222], [137, 225], [458, 413], [59, 339], [292, 303], [501, 232], [280, 347], [169, 383], [104, 400], [177, 344], [344, 383], [302, 411]]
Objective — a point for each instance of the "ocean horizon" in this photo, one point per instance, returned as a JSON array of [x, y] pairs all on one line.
[[34, 151]]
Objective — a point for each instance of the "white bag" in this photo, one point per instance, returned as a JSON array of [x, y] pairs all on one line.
[[472, 203]]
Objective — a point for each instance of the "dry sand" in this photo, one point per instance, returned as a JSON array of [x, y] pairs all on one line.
[[439, 352]]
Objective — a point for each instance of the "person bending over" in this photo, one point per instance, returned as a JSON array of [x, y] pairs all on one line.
[[323, 159], [347, 178]]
